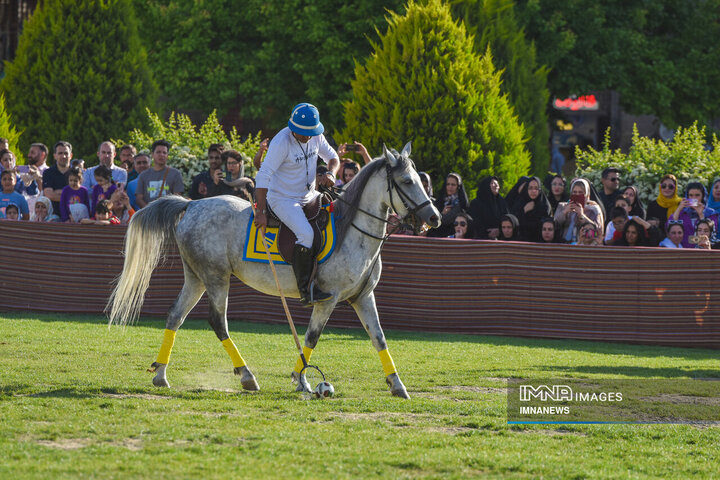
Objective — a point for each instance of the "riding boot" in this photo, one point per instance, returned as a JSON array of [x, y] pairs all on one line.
[[303, 266]]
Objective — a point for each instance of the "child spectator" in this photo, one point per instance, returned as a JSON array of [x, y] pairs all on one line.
[[12, 212], [121, 207], [637, 209], [44, 211], [487, 209], [620, 202], [675, 233], [104, 188], [103, 215], [509, 228], [10, 196], [74, 199]]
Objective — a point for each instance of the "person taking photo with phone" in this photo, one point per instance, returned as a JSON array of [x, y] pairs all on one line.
[[579, 210], [691, 210]]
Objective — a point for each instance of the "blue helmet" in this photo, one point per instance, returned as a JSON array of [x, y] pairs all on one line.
[[305, 120]]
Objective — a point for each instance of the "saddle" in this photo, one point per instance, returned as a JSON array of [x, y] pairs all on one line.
[[286, 238]]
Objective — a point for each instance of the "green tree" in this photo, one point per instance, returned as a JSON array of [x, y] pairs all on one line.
[[80, 74], [8, 130], [424, 83], [661, 56], [493, 24]]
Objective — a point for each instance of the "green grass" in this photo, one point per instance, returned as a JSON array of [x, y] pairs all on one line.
[[76, 402]]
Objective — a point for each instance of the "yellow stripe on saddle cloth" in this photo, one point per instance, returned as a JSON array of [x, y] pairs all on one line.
[[255, 252]]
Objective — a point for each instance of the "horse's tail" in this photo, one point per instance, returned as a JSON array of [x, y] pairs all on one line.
[[148, 232]]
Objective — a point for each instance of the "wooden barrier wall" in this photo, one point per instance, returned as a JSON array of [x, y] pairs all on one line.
[[636, 295]]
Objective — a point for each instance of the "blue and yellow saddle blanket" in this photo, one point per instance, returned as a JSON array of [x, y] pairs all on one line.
[[255, 251]]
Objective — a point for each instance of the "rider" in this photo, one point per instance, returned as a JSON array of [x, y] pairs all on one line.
[[286, 181]]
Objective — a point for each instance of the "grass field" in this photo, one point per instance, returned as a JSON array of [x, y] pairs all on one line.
[[76, 402]]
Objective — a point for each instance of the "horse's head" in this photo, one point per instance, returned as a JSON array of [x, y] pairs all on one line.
[[407, 197]]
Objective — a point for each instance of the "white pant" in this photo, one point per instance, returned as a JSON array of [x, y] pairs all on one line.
[[290, 212]]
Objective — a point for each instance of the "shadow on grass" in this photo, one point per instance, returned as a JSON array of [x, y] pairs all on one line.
[[664, 372], [252, 327]]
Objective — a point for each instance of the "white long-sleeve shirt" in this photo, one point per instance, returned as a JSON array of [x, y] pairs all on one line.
[[289, 167]]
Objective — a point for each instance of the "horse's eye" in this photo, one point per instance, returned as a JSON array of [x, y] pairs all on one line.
[[408, 181]]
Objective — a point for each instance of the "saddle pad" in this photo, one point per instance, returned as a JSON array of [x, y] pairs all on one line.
[[255, 251]]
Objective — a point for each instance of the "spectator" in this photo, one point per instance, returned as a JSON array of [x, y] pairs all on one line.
[[463, 226], [103, 215], [207, 183], [675, 236], [666, 202], [160, 180], [637, 209], [347, 172], [75, 199], [451, 201], [37, 157], [691, 209], [10, 196], [141, 162], [78, 163], [705, 235], [579, 210], [610, 185], [44, 211], [355, 147], [633, 235], [4, 143], [121, 207], [257, 160], [106, 157], [620, 202], [127, 154], [530, 208], [549, 233], [588, 234], [509, 228], [235, 183], [427, 185], [714, 199], [54, 179], [487, 209], [25, 184], [516, 189], [12, 212], [104, 186], [555, 186]]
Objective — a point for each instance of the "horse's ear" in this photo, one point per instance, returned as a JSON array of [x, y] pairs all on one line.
[[406, 150], [389, 157]]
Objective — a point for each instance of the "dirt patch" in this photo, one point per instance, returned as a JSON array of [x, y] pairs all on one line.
[[66, 443], [450, 430], [132, 444], [210, 414], [468, 388], [682, 399], [142, 396]]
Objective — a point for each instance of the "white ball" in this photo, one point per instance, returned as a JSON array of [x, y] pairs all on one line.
[[324, 389]]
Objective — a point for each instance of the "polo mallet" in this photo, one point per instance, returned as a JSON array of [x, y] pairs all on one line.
[[287, 310]]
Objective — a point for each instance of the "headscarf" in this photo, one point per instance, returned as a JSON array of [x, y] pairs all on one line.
[[542, 204], [690, 210], [425, 176], [491, 206], [637, 209], [713, 204], [564, 197], [670, 204], [556, 230], [515, 224], [50, 214], [461, 195], [512, 195]]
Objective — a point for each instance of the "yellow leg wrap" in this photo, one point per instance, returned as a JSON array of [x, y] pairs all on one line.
[[387, 362], [166, 347], [232, 350], [299, 365]]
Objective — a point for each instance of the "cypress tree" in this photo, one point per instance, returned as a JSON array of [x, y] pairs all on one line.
[[493, 24], [8, 130], [424, 83], [80, 74]]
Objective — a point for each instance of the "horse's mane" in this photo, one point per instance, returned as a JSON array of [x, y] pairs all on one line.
[[346, 208]]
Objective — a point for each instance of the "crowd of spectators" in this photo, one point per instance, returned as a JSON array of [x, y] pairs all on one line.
[[555, 210]]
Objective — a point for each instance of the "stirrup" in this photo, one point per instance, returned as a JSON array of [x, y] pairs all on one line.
[[315, 295]]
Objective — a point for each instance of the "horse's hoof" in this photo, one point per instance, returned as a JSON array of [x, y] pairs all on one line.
[[159, 381], [397, 389], [247, 379], [302, 383]]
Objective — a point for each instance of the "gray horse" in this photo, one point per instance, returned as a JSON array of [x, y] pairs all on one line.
[[210, 236]]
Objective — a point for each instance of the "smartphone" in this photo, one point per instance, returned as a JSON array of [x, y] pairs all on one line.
[[694, 239], [693, 202], [579, 199], [351, 147]]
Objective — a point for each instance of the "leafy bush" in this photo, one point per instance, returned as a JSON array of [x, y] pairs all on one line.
[[80, 74], [188, 152], [425, 84], [8, 130], [686, 156]]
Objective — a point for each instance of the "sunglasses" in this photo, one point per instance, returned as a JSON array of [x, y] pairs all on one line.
[[666, 186], [675, 222], [462, 224], [614, 179]]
